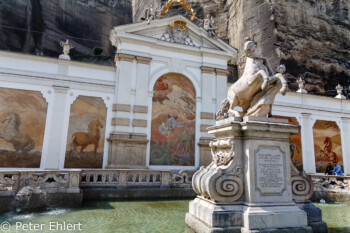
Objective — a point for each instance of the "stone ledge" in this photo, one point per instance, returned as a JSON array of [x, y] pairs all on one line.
[[120, 121], [105, 193], [35, 201], [121, 107]]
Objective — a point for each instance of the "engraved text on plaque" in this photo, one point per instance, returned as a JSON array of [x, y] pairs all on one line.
[[269, 170]]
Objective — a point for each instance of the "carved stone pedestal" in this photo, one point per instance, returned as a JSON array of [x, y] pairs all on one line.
[[127, 151], [251, 184]]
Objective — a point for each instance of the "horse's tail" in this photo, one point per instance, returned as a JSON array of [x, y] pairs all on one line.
[[71, 144], [223, 111], [29, 145]]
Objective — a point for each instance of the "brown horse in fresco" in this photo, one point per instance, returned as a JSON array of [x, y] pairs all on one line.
[[83, 139]]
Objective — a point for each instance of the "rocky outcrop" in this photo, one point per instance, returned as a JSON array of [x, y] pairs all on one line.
[[37, 26], [312, 38]]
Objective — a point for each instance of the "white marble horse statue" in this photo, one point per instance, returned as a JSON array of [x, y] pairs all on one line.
[[255, 90]]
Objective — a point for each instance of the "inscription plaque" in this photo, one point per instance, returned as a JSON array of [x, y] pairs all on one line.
[[270, 170]]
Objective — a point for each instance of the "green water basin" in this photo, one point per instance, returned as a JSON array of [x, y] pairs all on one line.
[[133, 216]]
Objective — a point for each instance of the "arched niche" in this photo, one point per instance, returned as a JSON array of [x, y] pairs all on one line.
[[86, 132], [327, 144], [173, 121]]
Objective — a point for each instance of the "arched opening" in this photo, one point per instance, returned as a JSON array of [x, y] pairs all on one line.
[[173, 121]]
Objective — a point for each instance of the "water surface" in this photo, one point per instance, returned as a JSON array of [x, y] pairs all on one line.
[[138, 216]]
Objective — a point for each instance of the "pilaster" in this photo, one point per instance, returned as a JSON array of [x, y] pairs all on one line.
[[56, 135], [221, 84], [308, 150], [345, 138], [123, 91]]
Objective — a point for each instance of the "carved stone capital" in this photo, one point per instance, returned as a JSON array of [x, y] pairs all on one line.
[[143, 60], [123, 57], [221, 72], [207, 70]]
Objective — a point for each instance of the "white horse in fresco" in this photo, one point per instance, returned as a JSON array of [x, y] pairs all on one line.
[[21, 141]]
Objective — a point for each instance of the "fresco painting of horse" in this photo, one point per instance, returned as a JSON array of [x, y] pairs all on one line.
[[22, 127], [85, 141], [173, 121], [327, 143]]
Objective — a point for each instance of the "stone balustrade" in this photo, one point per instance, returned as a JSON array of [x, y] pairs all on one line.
[[123, 177], [36, 182]]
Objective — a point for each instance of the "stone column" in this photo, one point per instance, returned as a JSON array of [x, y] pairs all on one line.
[[60, 117], [345, 139], [128, 142], [307, 143]]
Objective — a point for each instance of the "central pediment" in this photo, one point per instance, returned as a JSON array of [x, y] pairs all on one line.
[[177, 29]]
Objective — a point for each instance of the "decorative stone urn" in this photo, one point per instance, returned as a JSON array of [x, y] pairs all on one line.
[[251, 184], [66, 49]]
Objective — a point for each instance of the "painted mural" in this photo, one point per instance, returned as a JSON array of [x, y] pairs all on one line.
[[22, 127], [173, 121], [295, 143], [327, 143], [86, 132]]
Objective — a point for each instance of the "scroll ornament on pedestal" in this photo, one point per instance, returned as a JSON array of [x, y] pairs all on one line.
[[221, 180], [302, 185]]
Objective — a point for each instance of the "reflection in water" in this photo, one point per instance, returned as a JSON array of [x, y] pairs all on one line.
[[143, 216]]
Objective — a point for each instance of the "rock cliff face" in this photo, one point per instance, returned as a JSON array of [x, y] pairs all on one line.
[[37, 26], [311, 37]]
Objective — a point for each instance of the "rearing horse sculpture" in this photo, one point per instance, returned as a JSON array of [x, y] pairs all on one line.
[[254, 88], [83, 139]]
